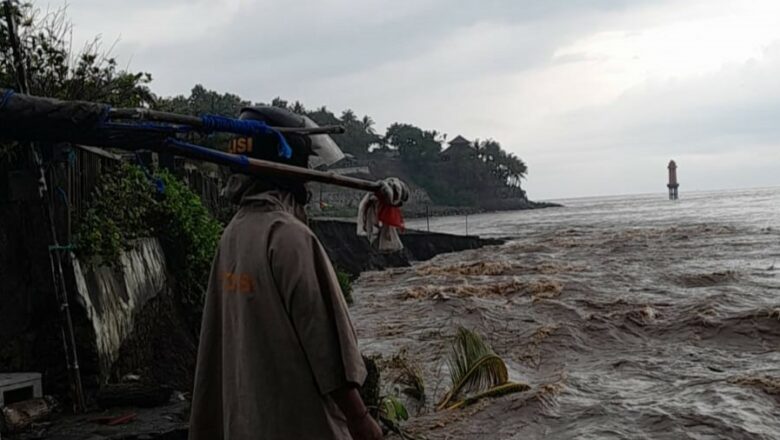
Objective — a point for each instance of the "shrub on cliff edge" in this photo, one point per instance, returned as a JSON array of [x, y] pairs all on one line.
[[129, 204]]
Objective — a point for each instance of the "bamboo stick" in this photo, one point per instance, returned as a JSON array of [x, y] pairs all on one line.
[[144, 114], [264, 167]]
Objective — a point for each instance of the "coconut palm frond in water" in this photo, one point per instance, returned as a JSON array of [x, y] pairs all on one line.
[[473, 366], [498, 391]]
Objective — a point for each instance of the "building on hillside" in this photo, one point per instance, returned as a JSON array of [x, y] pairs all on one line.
[[459, 147]]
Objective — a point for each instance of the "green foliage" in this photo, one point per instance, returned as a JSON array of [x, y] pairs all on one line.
[[466, 178], [393, 409], [53, 70], [392, 413], [473, 364], [345, 282], [189, 235], [474, 367], [413, 144], [201, 101], [504, 165], [127, 206], [359, 134], [116, 216]]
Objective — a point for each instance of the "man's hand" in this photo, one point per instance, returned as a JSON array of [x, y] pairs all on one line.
[[364, 428], [359, 422], [394, 191]]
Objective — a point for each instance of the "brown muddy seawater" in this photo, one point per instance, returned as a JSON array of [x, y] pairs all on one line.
[[629, 318]]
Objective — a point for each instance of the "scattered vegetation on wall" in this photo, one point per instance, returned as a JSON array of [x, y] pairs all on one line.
[[118, 214], [129, 204], [189, 235]]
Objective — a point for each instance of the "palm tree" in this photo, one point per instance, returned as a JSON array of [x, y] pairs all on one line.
[[298, 108], [279, 102], [492, 150], [348, 116], [368, 124], [477, 144]]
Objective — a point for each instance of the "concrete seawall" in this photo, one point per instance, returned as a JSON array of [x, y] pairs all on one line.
[[114, 297]]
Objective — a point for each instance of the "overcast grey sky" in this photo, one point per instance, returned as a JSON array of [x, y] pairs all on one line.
[[595, 95]]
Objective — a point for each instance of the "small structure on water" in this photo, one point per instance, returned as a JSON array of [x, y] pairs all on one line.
[[673, 185]]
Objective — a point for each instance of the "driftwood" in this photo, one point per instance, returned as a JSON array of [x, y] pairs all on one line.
[[133, 394]]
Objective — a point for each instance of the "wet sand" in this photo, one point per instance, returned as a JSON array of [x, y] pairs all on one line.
[[641, 329]]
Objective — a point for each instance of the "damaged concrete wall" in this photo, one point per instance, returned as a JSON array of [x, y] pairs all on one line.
[[113, 298]]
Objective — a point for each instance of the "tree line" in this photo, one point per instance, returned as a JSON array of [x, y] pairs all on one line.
[[55, 70]]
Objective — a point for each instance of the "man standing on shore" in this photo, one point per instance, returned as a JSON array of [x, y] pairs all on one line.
[[278, 356]]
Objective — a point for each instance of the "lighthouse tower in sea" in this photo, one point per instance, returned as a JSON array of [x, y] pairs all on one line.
[[672, 185]]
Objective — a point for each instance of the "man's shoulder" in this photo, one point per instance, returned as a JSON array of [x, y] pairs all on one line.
[[278, 222], [267, 223], [286, 223]]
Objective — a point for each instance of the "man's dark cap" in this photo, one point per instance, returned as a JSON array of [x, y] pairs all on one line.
[[266, 146]]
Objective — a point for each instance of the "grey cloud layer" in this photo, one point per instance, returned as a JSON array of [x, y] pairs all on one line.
[[461, 68]]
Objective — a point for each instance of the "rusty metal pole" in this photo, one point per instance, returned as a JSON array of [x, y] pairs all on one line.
[[55, 256]]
